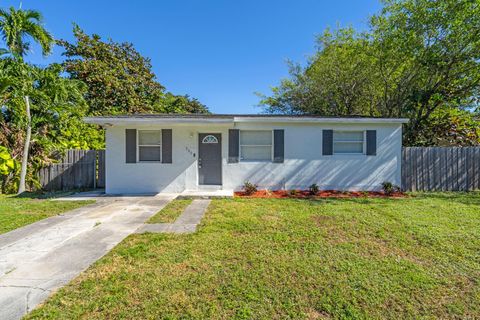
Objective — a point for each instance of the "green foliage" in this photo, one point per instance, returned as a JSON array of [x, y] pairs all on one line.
[[8, 168], [337, 81], [57, 108], [19, 80], [182, 104], [7, 164], [119, 79], [449, 126], [417, 57], [16, 24], [387, 187], [313, 189], [103, 78], [249, 188]]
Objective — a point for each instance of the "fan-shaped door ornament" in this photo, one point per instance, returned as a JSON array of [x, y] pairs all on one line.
[[210, 139]]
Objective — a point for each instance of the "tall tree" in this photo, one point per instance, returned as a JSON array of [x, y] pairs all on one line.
[[429, 54], [417, 58], [182, 104], [57, 107], [118, 77], [338, 80], [16, 26]]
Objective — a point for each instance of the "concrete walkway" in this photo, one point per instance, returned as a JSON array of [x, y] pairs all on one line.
[[44, 256], [186, 223]]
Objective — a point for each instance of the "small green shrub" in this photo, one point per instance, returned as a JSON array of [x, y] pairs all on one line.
[[313, 189], [249, 188], [8, 168], [389, 188], [7, 163], [293, 192]]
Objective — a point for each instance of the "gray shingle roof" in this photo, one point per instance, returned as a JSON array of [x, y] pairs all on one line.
[[232, 118], [221, 116]]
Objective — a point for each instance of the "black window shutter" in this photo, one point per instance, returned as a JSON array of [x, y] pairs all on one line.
[[233, 145], [130, 145], [278, 146], [371, 142], [167, 145], [327, 142]]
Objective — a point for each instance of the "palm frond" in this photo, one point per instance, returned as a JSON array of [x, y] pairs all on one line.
[[40, 35], [17, 25], [3, 13], [33, 14], [5, 83]]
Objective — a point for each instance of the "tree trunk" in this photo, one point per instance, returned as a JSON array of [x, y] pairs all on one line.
[[4, 184], [23, 170]]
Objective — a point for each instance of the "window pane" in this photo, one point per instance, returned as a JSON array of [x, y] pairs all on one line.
[[149, 153], [348, 147], [149, 137], [256, 153], [348, 136], [255, 137]]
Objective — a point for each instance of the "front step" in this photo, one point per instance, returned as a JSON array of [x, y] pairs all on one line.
[[207, 193], [207, 187]]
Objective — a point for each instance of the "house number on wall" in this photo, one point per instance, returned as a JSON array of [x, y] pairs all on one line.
[[190, 151]]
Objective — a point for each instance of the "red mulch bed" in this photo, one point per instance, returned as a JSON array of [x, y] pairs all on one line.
[[305, 194]]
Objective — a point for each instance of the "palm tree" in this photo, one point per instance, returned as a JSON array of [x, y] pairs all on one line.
[[16, 26]]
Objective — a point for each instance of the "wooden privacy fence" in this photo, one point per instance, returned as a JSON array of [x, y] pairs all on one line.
[[441, 168], [78, 169]]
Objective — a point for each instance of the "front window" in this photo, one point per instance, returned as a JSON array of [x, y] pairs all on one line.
[[256, 145], [348, 142], [149, 145]]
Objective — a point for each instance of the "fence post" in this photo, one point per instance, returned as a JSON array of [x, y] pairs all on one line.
[[95, 169]]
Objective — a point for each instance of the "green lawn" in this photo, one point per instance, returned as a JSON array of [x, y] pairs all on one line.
[[281, 258], [15, 212], [171, 211]]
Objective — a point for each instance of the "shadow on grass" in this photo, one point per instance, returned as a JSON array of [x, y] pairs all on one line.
[[466, 198], [360, 200], [48, 194]]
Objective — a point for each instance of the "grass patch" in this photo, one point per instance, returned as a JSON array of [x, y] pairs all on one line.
[[171, 211], [416, 257], [18, 211]]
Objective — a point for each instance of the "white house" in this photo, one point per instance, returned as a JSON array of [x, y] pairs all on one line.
[[174, 153]]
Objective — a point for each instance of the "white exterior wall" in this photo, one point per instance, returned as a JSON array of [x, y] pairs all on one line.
[[154, 177], [303, 164]]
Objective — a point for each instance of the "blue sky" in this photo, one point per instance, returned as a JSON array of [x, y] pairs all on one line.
[[220, 52]]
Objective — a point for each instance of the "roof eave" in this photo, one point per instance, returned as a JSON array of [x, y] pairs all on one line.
[[320, 120], [124, 121], [109, 121]]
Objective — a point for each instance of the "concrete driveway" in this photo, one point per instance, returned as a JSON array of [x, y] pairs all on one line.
[[39, 258]]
